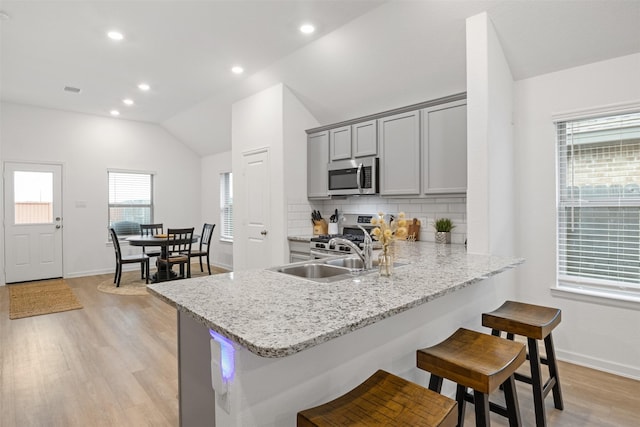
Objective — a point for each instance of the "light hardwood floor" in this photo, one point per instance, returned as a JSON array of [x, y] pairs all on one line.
[[113, 363]]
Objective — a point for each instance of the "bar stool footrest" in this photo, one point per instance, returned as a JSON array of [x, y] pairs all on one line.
[[494, 407]]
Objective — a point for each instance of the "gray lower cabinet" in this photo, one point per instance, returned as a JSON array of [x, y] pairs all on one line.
[[444, 148], [317, 160], [298, 251], [399, 138]]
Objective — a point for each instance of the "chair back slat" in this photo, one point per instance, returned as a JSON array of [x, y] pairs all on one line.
[[151, 229], [207, 232], [179, 240]]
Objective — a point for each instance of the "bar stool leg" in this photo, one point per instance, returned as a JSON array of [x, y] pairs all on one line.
[[435, 383], [481, 402], [461, 392], [553, 372], [536, 382], [511, 399]]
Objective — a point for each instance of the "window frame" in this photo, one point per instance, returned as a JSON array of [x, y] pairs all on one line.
[[150, 205], [609, 292], [226, 207]]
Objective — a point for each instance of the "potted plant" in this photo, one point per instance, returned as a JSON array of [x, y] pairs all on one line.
[[443, 228]]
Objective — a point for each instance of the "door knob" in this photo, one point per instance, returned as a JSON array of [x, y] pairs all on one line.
[[58, 226], [263, 232]]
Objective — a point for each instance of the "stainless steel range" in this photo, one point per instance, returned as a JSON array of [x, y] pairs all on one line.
[[320, 247]]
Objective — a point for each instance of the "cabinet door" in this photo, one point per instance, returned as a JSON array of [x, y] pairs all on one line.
[[317, 159], [365, 139], [340, 143], [399, 137], [298, 251], [444, 144]]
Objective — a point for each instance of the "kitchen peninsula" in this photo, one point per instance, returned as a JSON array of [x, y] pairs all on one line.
[[282, 343]]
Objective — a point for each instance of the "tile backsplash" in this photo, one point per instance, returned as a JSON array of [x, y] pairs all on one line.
[[426, 210]]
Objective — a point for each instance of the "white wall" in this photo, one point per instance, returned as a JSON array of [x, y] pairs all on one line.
[[276, 119], [212, 166], [592, 334], [296, 120], [87, 146], [257, 123], [2, 279]]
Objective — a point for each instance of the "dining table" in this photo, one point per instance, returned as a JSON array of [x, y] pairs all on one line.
[[158, 241]]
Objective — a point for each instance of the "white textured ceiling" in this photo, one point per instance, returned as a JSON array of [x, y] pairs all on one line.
[[366, 57]]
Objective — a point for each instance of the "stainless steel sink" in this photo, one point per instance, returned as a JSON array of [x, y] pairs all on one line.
[[355, 263], [313, 270], [347, 263], [317, 270], [327, 270]]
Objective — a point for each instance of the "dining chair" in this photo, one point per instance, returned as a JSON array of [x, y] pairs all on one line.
[[205, 240], [151, 230], [178, 251], [128, 259]]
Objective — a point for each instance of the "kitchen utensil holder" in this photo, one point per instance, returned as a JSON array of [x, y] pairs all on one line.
[[333, 228]]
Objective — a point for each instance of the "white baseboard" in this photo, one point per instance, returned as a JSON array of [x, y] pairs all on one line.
[[226, 267], [627, 371]]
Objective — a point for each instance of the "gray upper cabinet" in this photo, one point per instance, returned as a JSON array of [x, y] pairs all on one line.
[[340, 143], [317, 159], [399, 137], [365, 139], [444, 148]]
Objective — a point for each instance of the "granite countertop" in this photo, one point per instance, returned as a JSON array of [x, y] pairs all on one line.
[[276, 315]]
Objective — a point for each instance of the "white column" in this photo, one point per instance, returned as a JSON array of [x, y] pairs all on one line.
[[490, 175]]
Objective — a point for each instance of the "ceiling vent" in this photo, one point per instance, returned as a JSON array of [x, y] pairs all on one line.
[[71, 89]]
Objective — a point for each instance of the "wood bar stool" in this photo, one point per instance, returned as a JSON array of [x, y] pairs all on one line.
[[536, 323], [478, 361], [383, 400]]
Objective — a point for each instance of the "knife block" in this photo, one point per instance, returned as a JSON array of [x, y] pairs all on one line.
[[320, 227]]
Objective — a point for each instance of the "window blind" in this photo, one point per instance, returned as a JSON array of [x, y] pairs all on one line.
[[226, 205], [130, 201], [599, 202]]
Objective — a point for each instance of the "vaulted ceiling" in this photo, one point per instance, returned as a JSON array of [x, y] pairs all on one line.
[[365, 56]]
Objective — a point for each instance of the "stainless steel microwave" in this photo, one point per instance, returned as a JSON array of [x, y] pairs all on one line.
[[354, 176]]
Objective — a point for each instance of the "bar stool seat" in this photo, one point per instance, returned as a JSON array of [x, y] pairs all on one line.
[[478, 361], [383, 400], [536, 323]]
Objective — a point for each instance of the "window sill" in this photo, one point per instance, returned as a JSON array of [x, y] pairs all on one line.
[[226, 240], [597, 297]]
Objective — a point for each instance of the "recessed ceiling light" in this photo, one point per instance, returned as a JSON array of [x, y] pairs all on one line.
[[114, 112], [115, 35], [144, 86], [237, 69], [307, 28], [128, 101]]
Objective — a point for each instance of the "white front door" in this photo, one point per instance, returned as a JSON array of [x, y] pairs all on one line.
[[33, 221], [256, 191]]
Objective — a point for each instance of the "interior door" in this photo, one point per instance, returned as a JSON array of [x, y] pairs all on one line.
[[33, 221], [256, 191]]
